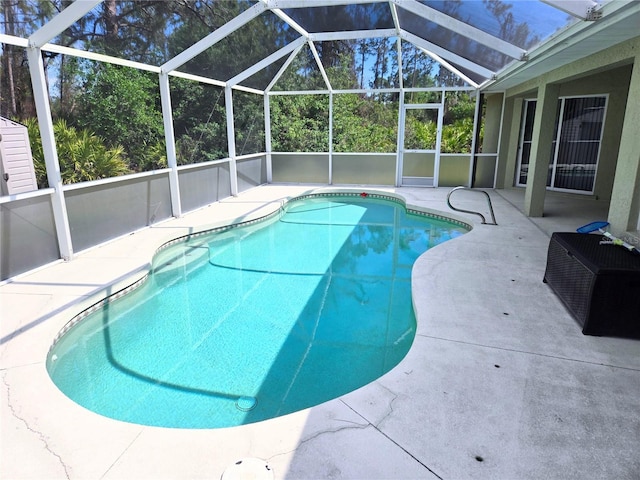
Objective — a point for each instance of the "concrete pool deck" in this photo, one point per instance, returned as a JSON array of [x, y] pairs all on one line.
[[500, 383]]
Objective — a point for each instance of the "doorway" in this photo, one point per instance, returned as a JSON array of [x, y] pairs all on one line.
[[420, 152]]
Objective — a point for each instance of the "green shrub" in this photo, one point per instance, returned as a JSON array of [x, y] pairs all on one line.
[[82, 155]]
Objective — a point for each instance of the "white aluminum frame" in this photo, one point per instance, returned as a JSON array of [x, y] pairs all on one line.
[[38, 42], [576, 8], [439, 107]]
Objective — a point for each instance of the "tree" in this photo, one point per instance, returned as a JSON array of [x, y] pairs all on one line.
[[361, 124], [20, 17], [300, 123], [83, 156], [249, 127], [135, 30], [199, 121], [302, 74], [121, 105]]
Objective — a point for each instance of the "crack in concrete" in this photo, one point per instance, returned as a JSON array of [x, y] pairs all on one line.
[[6, 369], [394, 397], [37, 433], [352, 426], [376, 427]]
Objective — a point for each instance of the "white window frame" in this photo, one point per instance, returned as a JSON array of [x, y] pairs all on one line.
[[553, 161]]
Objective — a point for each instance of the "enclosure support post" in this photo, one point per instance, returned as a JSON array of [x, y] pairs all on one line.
[[436, 163], [400, 144], [43, 109], [331, 137], [231, 141], [543, 127], [499, 140], [267, 136], [170, 141]]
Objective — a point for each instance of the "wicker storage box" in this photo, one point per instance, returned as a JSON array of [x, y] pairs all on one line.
[[599, 284]]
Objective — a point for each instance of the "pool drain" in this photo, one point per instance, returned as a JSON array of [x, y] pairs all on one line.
[[244, 404], [248, 468]]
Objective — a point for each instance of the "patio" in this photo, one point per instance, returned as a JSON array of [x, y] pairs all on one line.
[[499, 384]]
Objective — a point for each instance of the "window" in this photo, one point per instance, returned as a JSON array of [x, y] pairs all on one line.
[[576, 146]]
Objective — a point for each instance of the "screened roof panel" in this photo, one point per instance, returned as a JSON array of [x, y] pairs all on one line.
[[419, 70], [302, 74], [260, 80], [134, 30], [148, 32], [357, 64], [523, 23], [452, 42], [193, 21], [242, 48], [205, 37], [337, 18]]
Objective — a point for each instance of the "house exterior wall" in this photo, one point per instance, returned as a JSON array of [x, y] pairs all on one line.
[[612, 83], [608, 72], [624, 210]]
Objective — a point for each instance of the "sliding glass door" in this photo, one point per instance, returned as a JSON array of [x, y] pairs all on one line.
[[575, 149]]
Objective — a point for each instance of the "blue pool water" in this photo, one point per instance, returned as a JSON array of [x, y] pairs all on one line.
[[256, 321]]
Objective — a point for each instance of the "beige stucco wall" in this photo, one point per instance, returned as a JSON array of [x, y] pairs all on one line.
[[492, 117], [624, 208], [606, 73], [508, 157]]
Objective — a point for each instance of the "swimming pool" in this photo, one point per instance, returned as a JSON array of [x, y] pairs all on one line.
[[255, 321]]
